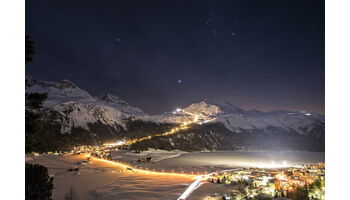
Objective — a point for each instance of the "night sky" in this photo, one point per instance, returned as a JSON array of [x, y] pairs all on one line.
[[159, 55]]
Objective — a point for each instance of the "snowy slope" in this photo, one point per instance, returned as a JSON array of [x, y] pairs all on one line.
[[61, 92], [236, 119], [78, 108]]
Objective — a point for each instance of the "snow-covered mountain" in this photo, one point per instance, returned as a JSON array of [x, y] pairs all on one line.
[[77, 108], [72, 112], [236, 119]]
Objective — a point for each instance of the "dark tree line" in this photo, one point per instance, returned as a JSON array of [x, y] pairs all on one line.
[[33, 120]]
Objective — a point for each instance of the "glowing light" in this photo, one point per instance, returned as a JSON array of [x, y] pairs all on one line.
[[272, 164], [140, 170], [115, 144], [196, 184], [281, 177], [190, 189], [170, 132]]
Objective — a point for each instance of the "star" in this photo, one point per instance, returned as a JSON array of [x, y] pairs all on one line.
[[179, 81]]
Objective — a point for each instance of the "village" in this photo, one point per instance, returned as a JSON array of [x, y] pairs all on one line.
[[272, 183]]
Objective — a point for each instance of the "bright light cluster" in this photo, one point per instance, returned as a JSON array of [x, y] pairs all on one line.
[[115, 144], [273, 165]]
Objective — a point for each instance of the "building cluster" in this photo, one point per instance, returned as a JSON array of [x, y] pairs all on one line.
[[96, 151], [258, 183]]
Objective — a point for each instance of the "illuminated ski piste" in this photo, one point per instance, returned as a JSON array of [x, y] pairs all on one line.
[[182, 127], [196, 119], [190, 189], [146, 171], [196, 184]]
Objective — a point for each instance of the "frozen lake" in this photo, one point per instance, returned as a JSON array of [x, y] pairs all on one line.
[[243, 159]]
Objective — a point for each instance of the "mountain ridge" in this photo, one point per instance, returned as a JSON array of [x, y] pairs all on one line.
[[71, 109]]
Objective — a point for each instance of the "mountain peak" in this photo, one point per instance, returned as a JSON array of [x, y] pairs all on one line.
[[203, 107], [225, 107], [66, 84], [116, 102], [109, 97], [209, 107]]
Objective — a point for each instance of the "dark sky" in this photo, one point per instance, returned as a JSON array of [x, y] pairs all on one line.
[[159, 55]]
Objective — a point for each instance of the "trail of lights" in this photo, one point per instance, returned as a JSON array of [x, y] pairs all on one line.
[[145, 171], [195, 118], [190, 189], [182, 127], [195, 185]]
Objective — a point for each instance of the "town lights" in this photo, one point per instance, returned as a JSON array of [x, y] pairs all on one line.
[[281, 177], [120, 143]]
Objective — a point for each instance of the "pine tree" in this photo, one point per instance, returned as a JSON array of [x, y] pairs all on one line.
[[33, 118], [38, 183], [29, 49]]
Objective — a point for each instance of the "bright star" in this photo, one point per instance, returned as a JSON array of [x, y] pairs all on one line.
[[179, 81]]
